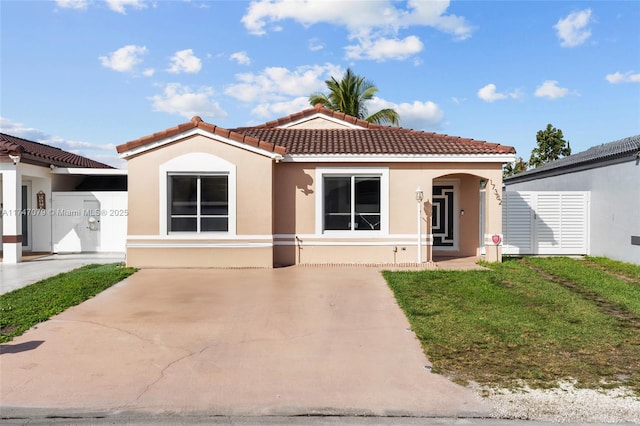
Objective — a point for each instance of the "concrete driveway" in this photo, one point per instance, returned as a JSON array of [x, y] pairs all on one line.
[[287, 341]]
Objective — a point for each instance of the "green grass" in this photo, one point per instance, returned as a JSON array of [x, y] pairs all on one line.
[[620, 294], [628, 270], [509, 326], [23, 308]]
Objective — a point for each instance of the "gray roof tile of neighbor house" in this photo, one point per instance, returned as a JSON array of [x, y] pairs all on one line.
[[592, 157]]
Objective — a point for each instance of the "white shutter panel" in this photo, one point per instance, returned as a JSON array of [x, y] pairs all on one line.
[[516, 222]]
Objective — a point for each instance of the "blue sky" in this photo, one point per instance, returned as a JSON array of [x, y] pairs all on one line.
[[87, 75]]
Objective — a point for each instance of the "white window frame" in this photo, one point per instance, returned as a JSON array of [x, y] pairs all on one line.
[[382, 172], [197, 163], [198, 215]]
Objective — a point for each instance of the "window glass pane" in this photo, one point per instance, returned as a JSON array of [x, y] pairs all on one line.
[[214, 197], [367, 194], [183, 224], [337, 202], [183, 195], [367, 200], [209, 224]]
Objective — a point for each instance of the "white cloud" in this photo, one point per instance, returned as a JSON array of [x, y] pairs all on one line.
[[416, 115], [382, 48], [182, 100], [278, 83], [121, 5], [185, 61], [375, 24], [241, 57], [105, 153], [627, 77], [315, 44], [356, 15], [13, 128], [489, 93], [125, 58], [72, 4], [549, 89], [280, 109], [148, 72], [573, 30]]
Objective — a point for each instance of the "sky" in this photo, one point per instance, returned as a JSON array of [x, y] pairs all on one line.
[[88, 75]]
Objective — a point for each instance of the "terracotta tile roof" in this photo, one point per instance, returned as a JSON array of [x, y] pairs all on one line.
[[39, 153], [196, 122], [380, 140], [376, 139], [373, 139]]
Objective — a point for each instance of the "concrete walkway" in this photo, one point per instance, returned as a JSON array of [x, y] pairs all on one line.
[[14, 276], [289, 341]]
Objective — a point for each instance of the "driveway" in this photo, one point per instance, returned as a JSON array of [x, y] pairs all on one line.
[[289, 341]]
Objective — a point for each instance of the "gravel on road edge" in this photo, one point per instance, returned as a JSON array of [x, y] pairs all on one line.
[[564, 404]]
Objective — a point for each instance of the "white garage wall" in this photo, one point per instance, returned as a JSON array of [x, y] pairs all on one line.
[[71, 214]]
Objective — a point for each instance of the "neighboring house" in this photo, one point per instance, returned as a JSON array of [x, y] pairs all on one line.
[[610, 173], [315, 187], [51, 201]]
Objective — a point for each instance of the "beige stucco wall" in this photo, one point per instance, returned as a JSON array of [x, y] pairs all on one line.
[[294, 200], [276, 212], [253, 209], [211, 257]]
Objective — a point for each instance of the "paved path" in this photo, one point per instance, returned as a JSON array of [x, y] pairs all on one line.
[[14, 276], [289, 341]]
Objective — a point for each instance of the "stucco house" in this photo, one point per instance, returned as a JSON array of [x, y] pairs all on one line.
[[611, 174], [51, 200], [314, 187]]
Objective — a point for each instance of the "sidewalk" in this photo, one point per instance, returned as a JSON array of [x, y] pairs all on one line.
[[19, 275]]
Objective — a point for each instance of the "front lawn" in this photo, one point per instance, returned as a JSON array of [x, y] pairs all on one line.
[[23, 308], [530, 321]]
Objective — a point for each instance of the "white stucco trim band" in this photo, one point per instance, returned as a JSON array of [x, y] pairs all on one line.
[[190, 244], [361, 240]]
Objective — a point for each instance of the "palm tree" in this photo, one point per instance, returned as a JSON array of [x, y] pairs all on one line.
[[350, 95]]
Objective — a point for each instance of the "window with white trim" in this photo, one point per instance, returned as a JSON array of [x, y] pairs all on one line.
[[351, 203], [198, 202]]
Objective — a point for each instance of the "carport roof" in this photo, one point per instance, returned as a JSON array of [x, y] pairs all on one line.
[[44, 155]]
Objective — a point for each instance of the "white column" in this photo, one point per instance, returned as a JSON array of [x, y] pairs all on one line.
[[11, 217]]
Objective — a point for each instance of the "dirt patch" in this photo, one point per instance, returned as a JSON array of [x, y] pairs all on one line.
[[613, 274], [606, 306]]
